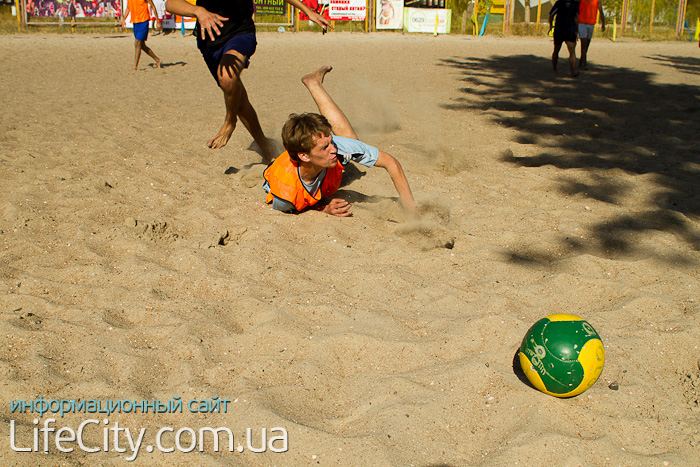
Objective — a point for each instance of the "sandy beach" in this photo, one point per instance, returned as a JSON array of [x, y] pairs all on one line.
[[138, 264]]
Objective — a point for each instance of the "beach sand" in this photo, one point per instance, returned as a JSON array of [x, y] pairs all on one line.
[[137, 264]]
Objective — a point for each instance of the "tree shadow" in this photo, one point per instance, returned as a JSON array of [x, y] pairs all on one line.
[[684, 64], [605, 121]]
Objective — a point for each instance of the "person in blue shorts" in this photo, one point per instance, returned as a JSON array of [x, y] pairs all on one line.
[[140, 16], [225, 34], [309, 172], [565, 30]]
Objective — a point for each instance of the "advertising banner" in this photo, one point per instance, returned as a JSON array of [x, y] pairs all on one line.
[[389, 14], [169, 21], [269, 7], [426, 3], [348, 10], [73, 8], [174, 22], [319, 6], [429, 20]]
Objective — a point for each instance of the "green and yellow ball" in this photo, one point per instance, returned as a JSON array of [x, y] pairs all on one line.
[[562, 355]]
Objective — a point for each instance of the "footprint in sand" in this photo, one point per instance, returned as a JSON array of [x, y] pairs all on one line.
[[157, 231]]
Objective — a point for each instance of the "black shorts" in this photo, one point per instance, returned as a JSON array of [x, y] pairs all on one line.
[[244, 44], [565, 36]]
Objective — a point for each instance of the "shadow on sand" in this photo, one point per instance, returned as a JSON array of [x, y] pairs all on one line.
[[689, 65], [605, 121]]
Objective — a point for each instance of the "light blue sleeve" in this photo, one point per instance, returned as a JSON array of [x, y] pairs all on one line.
[[356, 151]]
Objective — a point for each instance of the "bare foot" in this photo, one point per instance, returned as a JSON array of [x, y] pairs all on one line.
[[316, 77], [221, 138], [158, 62]]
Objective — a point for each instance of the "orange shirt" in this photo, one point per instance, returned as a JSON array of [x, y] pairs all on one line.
[[588, 11], [285, 182], [139, 11]]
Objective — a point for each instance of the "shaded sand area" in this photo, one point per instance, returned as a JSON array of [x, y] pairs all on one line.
[[138, 264]]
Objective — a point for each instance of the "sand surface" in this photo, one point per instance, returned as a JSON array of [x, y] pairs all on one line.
[[136, 263]]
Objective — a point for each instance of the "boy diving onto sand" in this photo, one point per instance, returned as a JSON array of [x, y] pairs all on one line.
[[317, 149]]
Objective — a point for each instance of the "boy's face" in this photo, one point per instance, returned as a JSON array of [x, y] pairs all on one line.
[[323, 154]]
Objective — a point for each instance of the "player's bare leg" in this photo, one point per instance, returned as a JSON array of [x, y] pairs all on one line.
[[572, 58], [229, 81], [238, 105], [583, 62], [249, 118], [137, 56], [326, 106], [150, 53], [555, 55], [141, 45]]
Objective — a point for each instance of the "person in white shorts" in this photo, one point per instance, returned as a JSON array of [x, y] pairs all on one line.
[[588, 11], [159, 15]]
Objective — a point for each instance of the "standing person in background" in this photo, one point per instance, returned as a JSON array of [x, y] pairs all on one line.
[[140, 18], [587, 15], [158, 15], [565, 30], [225, 34]]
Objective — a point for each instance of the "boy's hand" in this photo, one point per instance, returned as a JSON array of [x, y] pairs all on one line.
[[210, 23], [338, 207], [320, 20]]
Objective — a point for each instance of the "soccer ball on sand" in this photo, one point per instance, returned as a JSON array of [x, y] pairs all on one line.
[[562, 355]]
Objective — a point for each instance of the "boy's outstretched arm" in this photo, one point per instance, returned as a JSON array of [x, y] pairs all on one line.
[[313, 15], [395, 170]]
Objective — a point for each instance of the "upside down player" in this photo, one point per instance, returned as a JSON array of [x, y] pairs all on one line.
[[317, 147]]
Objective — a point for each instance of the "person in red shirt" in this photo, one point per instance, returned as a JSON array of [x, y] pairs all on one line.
[[140, 16], [587, 15]]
